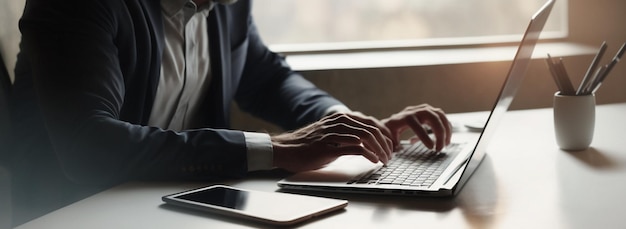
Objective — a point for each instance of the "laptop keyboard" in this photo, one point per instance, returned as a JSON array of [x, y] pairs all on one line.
[[413, 166]]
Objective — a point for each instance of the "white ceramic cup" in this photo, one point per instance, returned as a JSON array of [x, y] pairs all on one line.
[[574, 120]]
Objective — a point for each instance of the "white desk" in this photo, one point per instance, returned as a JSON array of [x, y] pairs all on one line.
[[524, 182]]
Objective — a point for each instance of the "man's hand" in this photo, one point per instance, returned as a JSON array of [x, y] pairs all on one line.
[[339, 134], [421, 119], [335, 135]]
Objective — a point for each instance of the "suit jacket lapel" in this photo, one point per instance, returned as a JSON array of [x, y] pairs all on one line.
[[156, 20], [144, 62], [220, 68]]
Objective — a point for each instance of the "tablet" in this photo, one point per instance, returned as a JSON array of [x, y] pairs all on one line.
[[267, 207]]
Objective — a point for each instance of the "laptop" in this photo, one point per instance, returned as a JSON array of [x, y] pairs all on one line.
[[424, 172]]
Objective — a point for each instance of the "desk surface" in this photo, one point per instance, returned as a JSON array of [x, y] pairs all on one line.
[[525, 181]]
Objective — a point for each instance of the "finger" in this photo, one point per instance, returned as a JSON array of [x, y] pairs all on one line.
[[366, 138], [338, 139], [440, 135], [380, 131], [436, 119], [397, 125], [433, 120], [419, 131], [415, 109], [371, 136], [447, 127], [344, 141], [376, 123]]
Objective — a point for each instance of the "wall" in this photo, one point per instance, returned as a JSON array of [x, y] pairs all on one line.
[[10, 12]]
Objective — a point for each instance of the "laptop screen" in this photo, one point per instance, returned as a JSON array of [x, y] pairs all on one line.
[[508, 91]]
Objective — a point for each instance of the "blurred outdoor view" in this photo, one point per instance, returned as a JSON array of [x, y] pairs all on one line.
[[323, 21]]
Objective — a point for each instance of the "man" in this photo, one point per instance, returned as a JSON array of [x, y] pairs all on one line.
[[109, 91]]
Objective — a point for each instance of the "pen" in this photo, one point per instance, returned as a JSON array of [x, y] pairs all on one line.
[[563, 78], [596, 84], [607, 68], [560, 76], [555, 75], [595, 80], [592, 67], [617, 58]]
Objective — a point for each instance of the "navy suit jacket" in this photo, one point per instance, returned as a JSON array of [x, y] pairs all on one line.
[[86, 79]]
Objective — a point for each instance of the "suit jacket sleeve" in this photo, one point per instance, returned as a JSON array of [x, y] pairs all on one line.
[[267, 87], [270, 90]]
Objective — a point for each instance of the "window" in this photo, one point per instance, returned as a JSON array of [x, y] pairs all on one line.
[[314, 25]]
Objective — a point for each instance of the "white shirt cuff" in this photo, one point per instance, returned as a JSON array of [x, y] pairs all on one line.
[[260, 152]]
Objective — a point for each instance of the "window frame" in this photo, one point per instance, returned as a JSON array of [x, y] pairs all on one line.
[[425, 43]]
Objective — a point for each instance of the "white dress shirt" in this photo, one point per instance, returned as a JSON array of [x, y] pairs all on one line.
[[186, 74]]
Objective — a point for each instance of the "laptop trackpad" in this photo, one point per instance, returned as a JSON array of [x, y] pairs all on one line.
[[345, 168]]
